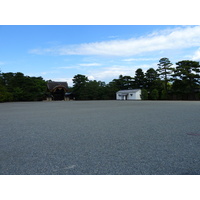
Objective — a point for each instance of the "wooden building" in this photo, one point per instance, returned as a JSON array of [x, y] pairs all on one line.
[[57, 90]]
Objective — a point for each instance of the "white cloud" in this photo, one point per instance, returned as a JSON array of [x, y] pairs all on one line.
[[109, 73], [79, 66], [68, 80], [165, 40], [113, 71], [139, 59], [37, 51], [90, 64], [106, 74], [91, 78], [50, 72], [69, 67], [196, 55]]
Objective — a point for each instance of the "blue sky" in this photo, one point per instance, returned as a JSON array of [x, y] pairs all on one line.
[[101, 52]]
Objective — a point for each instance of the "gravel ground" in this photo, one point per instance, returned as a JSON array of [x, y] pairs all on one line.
[[100, 137]]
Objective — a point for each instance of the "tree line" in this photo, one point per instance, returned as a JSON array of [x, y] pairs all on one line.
[[167, 82], [17, 87], [181, 82]]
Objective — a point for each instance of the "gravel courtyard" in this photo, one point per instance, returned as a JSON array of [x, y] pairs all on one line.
[[100, 137]]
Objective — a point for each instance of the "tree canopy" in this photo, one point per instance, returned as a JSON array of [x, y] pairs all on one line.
[[17, 87], [165, 70], [168, 81]]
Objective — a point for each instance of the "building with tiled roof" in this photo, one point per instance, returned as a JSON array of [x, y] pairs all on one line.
[[57, 90]]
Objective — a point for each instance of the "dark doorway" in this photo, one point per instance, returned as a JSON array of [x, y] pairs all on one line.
[[58, 94]]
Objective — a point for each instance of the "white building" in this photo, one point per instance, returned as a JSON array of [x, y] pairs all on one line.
[[128, 94]]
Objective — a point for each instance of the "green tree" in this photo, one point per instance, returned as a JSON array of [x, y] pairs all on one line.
[[102, 91], [4, 95], [164, 95], [79, 86], [152, 78], [144, 94], [154, 94], [94, 90], [22, 88], [123, 82], [165, 71], [127, 82], [186, 78], [139, 79], [111, 89]]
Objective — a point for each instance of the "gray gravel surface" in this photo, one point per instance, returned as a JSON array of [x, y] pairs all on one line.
[[100, 137]]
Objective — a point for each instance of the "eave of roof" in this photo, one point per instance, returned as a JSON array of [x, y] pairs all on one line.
[[52, 85], [128, 91]]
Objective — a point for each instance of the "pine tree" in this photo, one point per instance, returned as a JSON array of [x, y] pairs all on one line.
[[187, 77], [165, 70], [139, 78]]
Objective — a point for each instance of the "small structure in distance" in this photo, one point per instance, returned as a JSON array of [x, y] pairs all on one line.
[[57, 90], [129, 94]]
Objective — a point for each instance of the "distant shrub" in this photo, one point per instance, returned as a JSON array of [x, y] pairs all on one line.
[[164, 95], [154, 94], [144, 94], [4, 95]]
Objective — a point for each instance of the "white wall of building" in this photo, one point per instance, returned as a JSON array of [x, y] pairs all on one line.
[[128, 94], [138, 95]]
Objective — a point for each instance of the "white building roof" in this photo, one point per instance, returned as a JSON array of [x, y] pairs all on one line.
[[128, 91]]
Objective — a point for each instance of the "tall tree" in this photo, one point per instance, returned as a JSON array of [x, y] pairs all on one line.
[[94, 90], [165, 70], [128, 82], [152, 77], [139, 78], [79, 86], [111, 89], [187, 77], [18, 87], [4, 94], [123, 82]]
